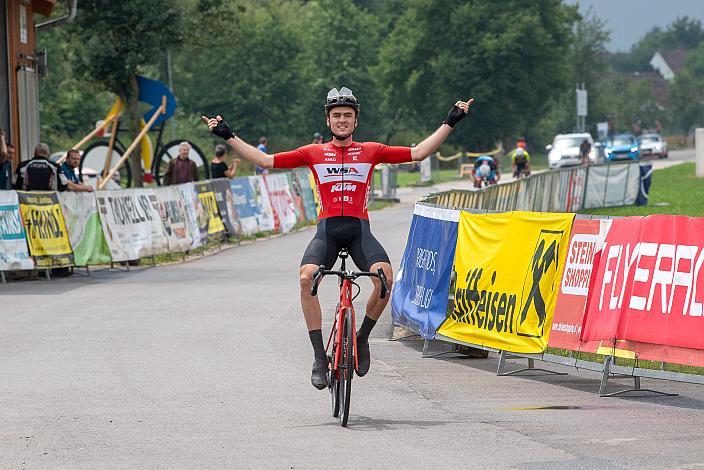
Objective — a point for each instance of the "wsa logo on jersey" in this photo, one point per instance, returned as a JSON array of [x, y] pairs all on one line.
[[357, 172]]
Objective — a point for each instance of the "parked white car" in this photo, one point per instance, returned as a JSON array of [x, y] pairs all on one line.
[[564, 150], [652, 144]]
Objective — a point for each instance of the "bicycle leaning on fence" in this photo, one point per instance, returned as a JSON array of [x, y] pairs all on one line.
[[343, 338]]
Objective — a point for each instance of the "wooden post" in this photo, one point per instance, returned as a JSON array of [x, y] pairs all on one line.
[[135, 142], [90, 135], [111, 145]]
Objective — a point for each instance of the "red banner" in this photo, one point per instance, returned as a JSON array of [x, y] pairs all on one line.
[[574, 287], [649, 285]]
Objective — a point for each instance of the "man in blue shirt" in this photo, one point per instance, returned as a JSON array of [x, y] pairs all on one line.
[[260, 170], [73, 159], [7, 155]]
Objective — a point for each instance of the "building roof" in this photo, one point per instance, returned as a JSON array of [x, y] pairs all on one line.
[[675, 58]]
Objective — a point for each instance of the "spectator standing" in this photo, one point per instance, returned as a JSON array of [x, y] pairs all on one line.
[[263, 143], [73, 159], [7, 156], [317, 138], [40, 174], [584, 148], [181, 169], [219, 168]]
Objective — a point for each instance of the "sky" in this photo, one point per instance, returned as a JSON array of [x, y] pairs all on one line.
[[629, 20]]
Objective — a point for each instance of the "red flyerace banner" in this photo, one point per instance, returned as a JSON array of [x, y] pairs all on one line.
[[648, 283]]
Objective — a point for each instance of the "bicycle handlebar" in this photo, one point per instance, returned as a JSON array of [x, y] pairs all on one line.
[[351, 275]]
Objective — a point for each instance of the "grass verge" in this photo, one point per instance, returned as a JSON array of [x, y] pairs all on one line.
[[674, 190]]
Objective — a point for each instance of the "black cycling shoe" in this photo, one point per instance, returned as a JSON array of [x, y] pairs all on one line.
[[362, 358], [319, 376]]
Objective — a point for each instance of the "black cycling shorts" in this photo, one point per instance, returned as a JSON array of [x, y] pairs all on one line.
[[352, 233]]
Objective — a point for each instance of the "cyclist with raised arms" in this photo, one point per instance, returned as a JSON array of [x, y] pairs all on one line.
[[343, 170]]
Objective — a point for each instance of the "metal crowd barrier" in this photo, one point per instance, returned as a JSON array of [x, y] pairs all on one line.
[[563, 190]]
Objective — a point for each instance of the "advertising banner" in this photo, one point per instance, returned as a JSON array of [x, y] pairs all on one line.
[[421, 289], [585, 241], [206, 194], [85, 231], [508, 267], [649, 285], [14, 254], [308, 194], [226, 206], [297, 197], [265, 216], [245, 205], [131, 223], [316, 196], [281, 200], [196, 214], [45, 227], [174, 218], [615, 184]]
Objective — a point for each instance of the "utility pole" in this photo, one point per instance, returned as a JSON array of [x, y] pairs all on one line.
[[582, 110]]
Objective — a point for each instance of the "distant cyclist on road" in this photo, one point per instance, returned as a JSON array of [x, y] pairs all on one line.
[[520, 161], [485, 169], [342, 170]]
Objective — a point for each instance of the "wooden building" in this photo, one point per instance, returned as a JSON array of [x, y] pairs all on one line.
[[19, 77]]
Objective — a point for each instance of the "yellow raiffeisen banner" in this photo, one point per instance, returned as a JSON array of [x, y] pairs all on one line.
[[215, 224], [44, 224], [508, 267]]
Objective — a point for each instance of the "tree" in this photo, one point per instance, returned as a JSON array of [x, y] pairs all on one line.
[[114, 41], [682, 33], [442, 51]]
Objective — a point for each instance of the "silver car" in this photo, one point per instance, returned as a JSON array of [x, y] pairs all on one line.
[[564, 150], [652, 145]]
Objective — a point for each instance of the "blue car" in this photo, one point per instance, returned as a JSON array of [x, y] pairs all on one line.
[[621, 147]]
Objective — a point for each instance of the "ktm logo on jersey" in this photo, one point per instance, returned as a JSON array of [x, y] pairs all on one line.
[[339, 187], [342, 170]]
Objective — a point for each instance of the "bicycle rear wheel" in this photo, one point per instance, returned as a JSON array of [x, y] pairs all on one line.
[[346, 368]]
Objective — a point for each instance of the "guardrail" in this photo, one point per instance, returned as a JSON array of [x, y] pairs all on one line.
[[563, 190]]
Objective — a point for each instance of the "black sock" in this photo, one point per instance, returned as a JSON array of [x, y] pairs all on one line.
[[365, 329], [316, 339]]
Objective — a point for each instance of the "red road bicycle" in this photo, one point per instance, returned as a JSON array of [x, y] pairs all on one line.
[[343, 335]]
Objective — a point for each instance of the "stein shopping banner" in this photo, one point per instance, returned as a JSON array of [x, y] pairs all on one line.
[[649, 285], [196, 215], [281, 200], [586, 239], [14, 254], [508, 268], [245, 205], [45, 227], [265, 218], [85, 231], [421, 288], [206, 194], [226, 206], [174, 218], [131, 223]]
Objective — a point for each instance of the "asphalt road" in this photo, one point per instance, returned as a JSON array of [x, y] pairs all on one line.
[[206, 364]]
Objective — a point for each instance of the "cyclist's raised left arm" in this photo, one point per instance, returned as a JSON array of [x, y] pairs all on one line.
[[431, 144]]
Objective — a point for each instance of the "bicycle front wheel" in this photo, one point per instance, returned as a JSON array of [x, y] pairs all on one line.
[[346, 368]]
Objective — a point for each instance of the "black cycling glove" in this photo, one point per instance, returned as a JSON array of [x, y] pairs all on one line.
[[223, 130], [454, 116]]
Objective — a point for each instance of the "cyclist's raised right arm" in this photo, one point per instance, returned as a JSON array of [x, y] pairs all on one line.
[[250, 153]]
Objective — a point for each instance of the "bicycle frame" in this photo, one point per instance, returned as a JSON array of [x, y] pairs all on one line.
[[344, 303]]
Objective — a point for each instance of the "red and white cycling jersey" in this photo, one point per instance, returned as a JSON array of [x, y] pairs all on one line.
[[342, 174]]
